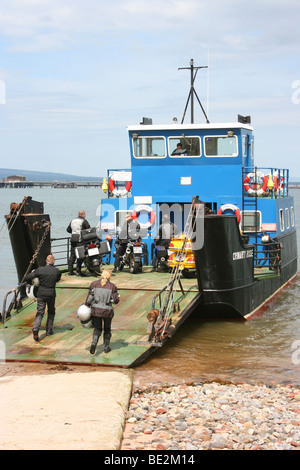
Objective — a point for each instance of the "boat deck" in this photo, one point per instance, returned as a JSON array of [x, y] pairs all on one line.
[[71, 342]]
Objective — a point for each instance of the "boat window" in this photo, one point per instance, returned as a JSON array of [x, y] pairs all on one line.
[[184, 146], [281, 220], [292, 217], [287, 218], [250, 221], [221, 146], [252, 153], [149, 147], [245, 146]]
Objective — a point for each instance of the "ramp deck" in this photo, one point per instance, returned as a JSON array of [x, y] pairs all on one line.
[[70, 342]]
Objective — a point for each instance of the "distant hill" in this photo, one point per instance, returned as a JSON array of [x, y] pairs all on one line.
[[44, 176]]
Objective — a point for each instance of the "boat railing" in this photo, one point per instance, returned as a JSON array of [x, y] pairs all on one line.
[[275, 182], [60, 248], [15, 302], [267, 258]]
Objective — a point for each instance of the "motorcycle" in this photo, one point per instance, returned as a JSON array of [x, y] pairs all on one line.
[[161, 258], [92, 250], [133, 256]]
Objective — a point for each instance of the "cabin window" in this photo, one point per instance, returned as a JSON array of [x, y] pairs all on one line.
[[252, 153], [184, 146], [292, 217], [245, 145], [221, 146], [250, 221], [149, 147], [281, 220], [287, 218]]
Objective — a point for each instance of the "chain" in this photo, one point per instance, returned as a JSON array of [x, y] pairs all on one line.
[[47, 225]]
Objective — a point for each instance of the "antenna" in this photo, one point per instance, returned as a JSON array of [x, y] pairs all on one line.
[[194, 71]]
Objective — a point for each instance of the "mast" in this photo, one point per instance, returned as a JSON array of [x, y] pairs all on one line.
[[192, 93]]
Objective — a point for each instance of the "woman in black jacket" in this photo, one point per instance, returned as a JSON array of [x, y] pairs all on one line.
[[102, 294]]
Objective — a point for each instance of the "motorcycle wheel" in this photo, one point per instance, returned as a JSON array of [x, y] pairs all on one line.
[[92, 269], [134, 266]]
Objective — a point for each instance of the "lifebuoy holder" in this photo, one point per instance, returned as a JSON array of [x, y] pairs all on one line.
[[256, 192], [119, 192], [231, 207], [144, 208]]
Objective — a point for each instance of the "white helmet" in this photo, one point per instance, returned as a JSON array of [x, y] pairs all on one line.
[[84, 313], [30, 291], [87, 323]]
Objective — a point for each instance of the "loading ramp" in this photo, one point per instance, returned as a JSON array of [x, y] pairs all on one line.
[[71, 342]]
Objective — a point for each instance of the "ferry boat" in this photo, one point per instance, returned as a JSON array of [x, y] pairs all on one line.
[[239, 218], [246, 249]]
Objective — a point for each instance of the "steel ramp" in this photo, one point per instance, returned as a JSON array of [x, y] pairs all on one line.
[[71, 342]]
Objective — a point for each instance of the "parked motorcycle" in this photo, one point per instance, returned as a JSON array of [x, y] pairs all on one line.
[[133, 256], [161, 258], [92, 250]]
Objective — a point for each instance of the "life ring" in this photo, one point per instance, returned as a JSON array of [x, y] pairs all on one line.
[[118, 192], [145, 208], [257, 192], [278, 185], [231, 207]]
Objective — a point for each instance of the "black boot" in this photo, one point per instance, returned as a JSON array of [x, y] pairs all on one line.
[[94, 344], [106, 346], [36, 335]]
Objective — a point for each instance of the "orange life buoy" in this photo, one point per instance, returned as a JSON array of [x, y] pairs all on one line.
[[257, 192], [231, 207], [144, 208], [118, 192]]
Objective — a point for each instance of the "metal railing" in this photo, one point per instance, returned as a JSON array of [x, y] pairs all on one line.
[[276, 179], [60, 248], [267, 257], [15, 303]]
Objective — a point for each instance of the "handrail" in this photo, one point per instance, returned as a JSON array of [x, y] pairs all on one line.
[[66, 250], [16, 291], [268, 257], [163, 289]]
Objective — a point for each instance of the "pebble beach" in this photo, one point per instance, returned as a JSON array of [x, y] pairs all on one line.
[[213, 416]]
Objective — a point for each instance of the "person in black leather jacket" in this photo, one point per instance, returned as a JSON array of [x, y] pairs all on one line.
[[75, 227], [130, 230], [48, 276]]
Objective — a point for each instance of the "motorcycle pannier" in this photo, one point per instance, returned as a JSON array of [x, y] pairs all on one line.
[[104, 248], [89, 234]]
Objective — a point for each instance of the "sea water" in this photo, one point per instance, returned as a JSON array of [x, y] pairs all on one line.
[[265, 349]]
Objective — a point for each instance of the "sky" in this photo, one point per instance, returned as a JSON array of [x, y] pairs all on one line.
[[75, 73]]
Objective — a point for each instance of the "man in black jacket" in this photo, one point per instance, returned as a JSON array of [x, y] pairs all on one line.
[[130, 230], [48, 276], [75, 227]]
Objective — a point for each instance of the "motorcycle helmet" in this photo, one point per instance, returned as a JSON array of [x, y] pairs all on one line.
[[30, 291], [87, 323], [84, 313]]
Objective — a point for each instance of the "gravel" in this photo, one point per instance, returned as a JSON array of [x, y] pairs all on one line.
[[213, 416]]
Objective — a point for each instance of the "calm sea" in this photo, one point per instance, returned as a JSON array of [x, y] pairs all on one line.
[[265, 349]]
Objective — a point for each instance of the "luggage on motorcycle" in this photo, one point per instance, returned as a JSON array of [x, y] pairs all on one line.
[[104, 248], [89, 234]]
